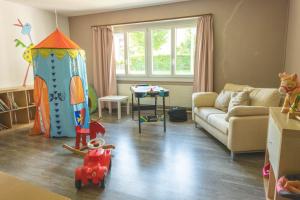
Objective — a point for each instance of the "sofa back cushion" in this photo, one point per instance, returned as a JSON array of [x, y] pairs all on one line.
[[268, 97], [235, 87]]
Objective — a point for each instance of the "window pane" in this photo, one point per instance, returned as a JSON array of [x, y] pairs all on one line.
[[119, 53], [185, 50], [136, 52], [161, 51]]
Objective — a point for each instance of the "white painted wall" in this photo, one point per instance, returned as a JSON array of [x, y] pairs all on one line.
[[12, 65], [180, 95], [292, 62]]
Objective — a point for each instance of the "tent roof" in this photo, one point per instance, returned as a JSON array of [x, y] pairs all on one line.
[[57, 40]]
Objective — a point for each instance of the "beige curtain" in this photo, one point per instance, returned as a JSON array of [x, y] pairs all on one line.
[[203, 68], [104, 66]]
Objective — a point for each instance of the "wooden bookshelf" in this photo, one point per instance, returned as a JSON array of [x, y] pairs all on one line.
[[20, 110]]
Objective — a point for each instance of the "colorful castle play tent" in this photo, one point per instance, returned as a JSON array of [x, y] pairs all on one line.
[[60, 86]]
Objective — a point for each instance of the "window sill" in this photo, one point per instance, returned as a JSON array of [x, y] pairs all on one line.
[[176, 79]]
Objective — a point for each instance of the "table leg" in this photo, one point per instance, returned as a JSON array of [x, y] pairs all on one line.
[[119, 110], [127, 106], [139, 115], [99, 108], [132, 113], [164, 113], [109, 108], [155, 111]]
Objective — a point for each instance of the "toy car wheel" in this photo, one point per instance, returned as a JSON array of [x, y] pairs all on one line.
[[103, 182], [78, 184]]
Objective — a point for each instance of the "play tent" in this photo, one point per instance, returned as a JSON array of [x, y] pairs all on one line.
[[60, 86]]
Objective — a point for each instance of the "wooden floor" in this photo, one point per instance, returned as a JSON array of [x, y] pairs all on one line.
[[184, 163]]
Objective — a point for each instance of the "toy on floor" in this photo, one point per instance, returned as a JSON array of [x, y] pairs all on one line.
[[96, 165], [290, 85], [289, 187], [81, 137]]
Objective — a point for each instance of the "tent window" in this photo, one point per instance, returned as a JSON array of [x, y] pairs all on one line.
[[76, 90]]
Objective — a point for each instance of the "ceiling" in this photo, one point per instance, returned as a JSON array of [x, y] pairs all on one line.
[[83, 7]]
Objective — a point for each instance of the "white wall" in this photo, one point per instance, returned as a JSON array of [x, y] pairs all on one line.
[[180, 95], [12, 65], [249, 38], [292, 63]]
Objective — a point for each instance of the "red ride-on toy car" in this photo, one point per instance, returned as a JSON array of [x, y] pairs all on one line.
[[96, 165]]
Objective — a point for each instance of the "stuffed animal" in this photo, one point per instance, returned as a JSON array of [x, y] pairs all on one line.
[[290, 85]]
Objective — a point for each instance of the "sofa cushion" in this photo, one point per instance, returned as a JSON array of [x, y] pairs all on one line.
[[239, 111], [235, 87], [204, 112], [219, 122], [268, 97], [223, 100]]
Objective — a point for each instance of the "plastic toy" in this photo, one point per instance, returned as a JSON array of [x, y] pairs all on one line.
[[81, 138], [93, 104], [266, 170], [295, 110], [289, 187], [290, 85], [96, 165]]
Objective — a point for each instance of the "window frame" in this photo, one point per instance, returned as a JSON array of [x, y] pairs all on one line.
[[147, 27]]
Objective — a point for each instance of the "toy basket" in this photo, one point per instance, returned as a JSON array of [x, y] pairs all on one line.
[[282, 191]]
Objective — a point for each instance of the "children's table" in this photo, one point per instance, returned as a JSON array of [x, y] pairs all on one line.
[[142, 91], [117, 99]]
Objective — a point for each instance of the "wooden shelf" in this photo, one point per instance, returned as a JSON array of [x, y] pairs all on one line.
[[21, 117], [4, 111], [20, 108], [266, 186]]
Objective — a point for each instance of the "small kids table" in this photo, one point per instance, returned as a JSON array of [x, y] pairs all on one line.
[[142, 91], [110, 99]]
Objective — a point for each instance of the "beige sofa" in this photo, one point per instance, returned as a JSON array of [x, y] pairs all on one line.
[[246, 128]]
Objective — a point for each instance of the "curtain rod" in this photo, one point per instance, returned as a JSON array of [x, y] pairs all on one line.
[[152, 20]]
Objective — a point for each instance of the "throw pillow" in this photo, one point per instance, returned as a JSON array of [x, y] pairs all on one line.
[[223, 100], [239, 99]]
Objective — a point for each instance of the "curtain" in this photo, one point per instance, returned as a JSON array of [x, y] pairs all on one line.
[[203, 67], [104, 66]]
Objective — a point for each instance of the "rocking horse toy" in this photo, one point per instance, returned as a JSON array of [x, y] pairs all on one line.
[[81, 137], [290, 85]]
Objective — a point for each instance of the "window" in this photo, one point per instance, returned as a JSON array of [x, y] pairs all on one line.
[[119, 53], [159, 49], [136, 52], [185, 50]]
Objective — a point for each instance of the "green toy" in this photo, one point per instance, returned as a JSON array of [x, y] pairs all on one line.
[[93, 105]]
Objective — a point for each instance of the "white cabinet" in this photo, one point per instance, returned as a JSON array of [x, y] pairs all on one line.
[[283, 149]]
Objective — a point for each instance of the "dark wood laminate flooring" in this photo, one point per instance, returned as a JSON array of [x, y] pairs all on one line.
[[184, 163]]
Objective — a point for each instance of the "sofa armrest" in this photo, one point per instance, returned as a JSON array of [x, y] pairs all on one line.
[[248, 133], [240, 111], [204, 99]]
